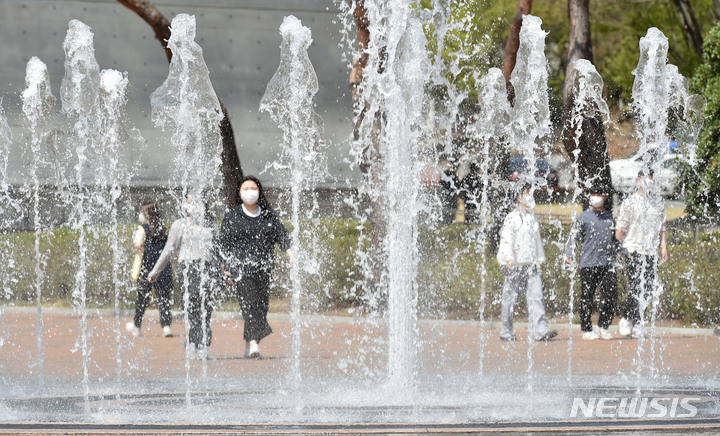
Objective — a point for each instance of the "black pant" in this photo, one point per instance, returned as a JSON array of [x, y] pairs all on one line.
[[197, 276], [641, 279], [253, 293], [594, 277], [143, 299]]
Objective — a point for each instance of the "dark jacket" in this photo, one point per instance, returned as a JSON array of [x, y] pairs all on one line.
[[151, 253], [247, 244], [595, 230]]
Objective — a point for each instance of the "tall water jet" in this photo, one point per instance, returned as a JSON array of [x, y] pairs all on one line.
[[588, 103], [531, 110], [187, 103], [38, 106], [112, 174], [530, 119], [79, 95], [650, 97], [490, 130], [289, 101], [8, 209], [390, 125]]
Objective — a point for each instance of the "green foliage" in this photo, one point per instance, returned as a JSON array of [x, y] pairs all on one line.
[[479, 28], [703, 181], [466, 44], [453, 272]]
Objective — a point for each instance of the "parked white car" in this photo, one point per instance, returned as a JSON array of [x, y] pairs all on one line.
[[624, 173]]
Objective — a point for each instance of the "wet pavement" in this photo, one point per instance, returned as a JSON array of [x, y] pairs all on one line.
[[465, 375]]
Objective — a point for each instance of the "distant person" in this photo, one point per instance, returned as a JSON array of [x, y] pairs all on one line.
[[471, 189], [248, 235], [673, 145], [593, 231], [191, 238], [449, 186], [521, 253], [641, 230], [149, 240]]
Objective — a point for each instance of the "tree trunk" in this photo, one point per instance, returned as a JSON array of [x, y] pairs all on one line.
[[716, 9], [230, 165], [690, 25], [592, 160], [512, 44]]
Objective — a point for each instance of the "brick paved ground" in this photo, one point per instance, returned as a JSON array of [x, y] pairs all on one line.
[[331, 345], [338, 356]]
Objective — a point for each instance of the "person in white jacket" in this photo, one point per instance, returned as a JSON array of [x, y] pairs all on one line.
[[521, 253]]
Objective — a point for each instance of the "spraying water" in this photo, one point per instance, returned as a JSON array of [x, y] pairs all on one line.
[[531, 111], [79, 94], [186, 101], [112, 175], [650, 97], [588, 103], [289, 101], [38, 106], [392, 96], [490, 130]]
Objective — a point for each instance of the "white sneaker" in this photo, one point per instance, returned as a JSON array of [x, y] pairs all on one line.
[[638, 331], [604, 334], [167, 331], [253, 351], [625, 327], [201, 352], [130, 327], [590, 336]]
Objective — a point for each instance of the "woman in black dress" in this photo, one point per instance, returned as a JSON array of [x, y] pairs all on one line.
[[248, 235], [151, 239]]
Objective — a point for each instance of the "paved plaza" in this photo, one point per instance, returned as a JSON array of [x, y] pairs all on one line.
[[454, 357]]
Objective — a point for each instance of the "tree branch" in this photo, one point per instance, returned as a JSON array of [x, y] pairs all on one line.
[[148, 12], [230, 161]]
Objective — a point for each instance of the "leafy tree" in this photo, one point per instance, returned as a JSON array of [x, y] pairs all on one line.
[[702, 190]]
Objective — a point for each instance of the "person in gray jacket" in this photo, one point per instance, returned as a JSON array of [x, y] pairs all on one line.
[[193, 239], [593, 229], [521, 253]]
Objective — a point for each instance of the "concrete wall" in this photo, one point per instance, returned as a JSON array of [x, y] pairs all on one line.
[[240, 41]]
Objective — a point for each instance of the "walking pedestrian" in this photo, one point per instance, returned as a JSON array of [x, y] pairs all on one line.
[[149, 240], [593, 231], [248, 235], [192, 238], [641, 230], [521, 253]]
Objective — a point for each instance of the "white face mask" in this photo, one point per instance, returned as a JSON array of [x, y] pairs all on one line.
[[528, 201], [596, 201], [194, 210], [250, 196], [141, 218], [648, 185]]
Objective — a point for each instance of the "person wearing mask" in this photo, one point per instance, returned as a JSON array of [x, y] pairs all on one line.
[[593, 231], [521, 253], [192, 239], [248, 235], [641, 230], [149, 240]]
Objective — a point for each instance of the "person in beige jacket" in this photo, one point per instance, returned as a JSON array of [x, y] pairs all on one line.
[[521, 253]]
